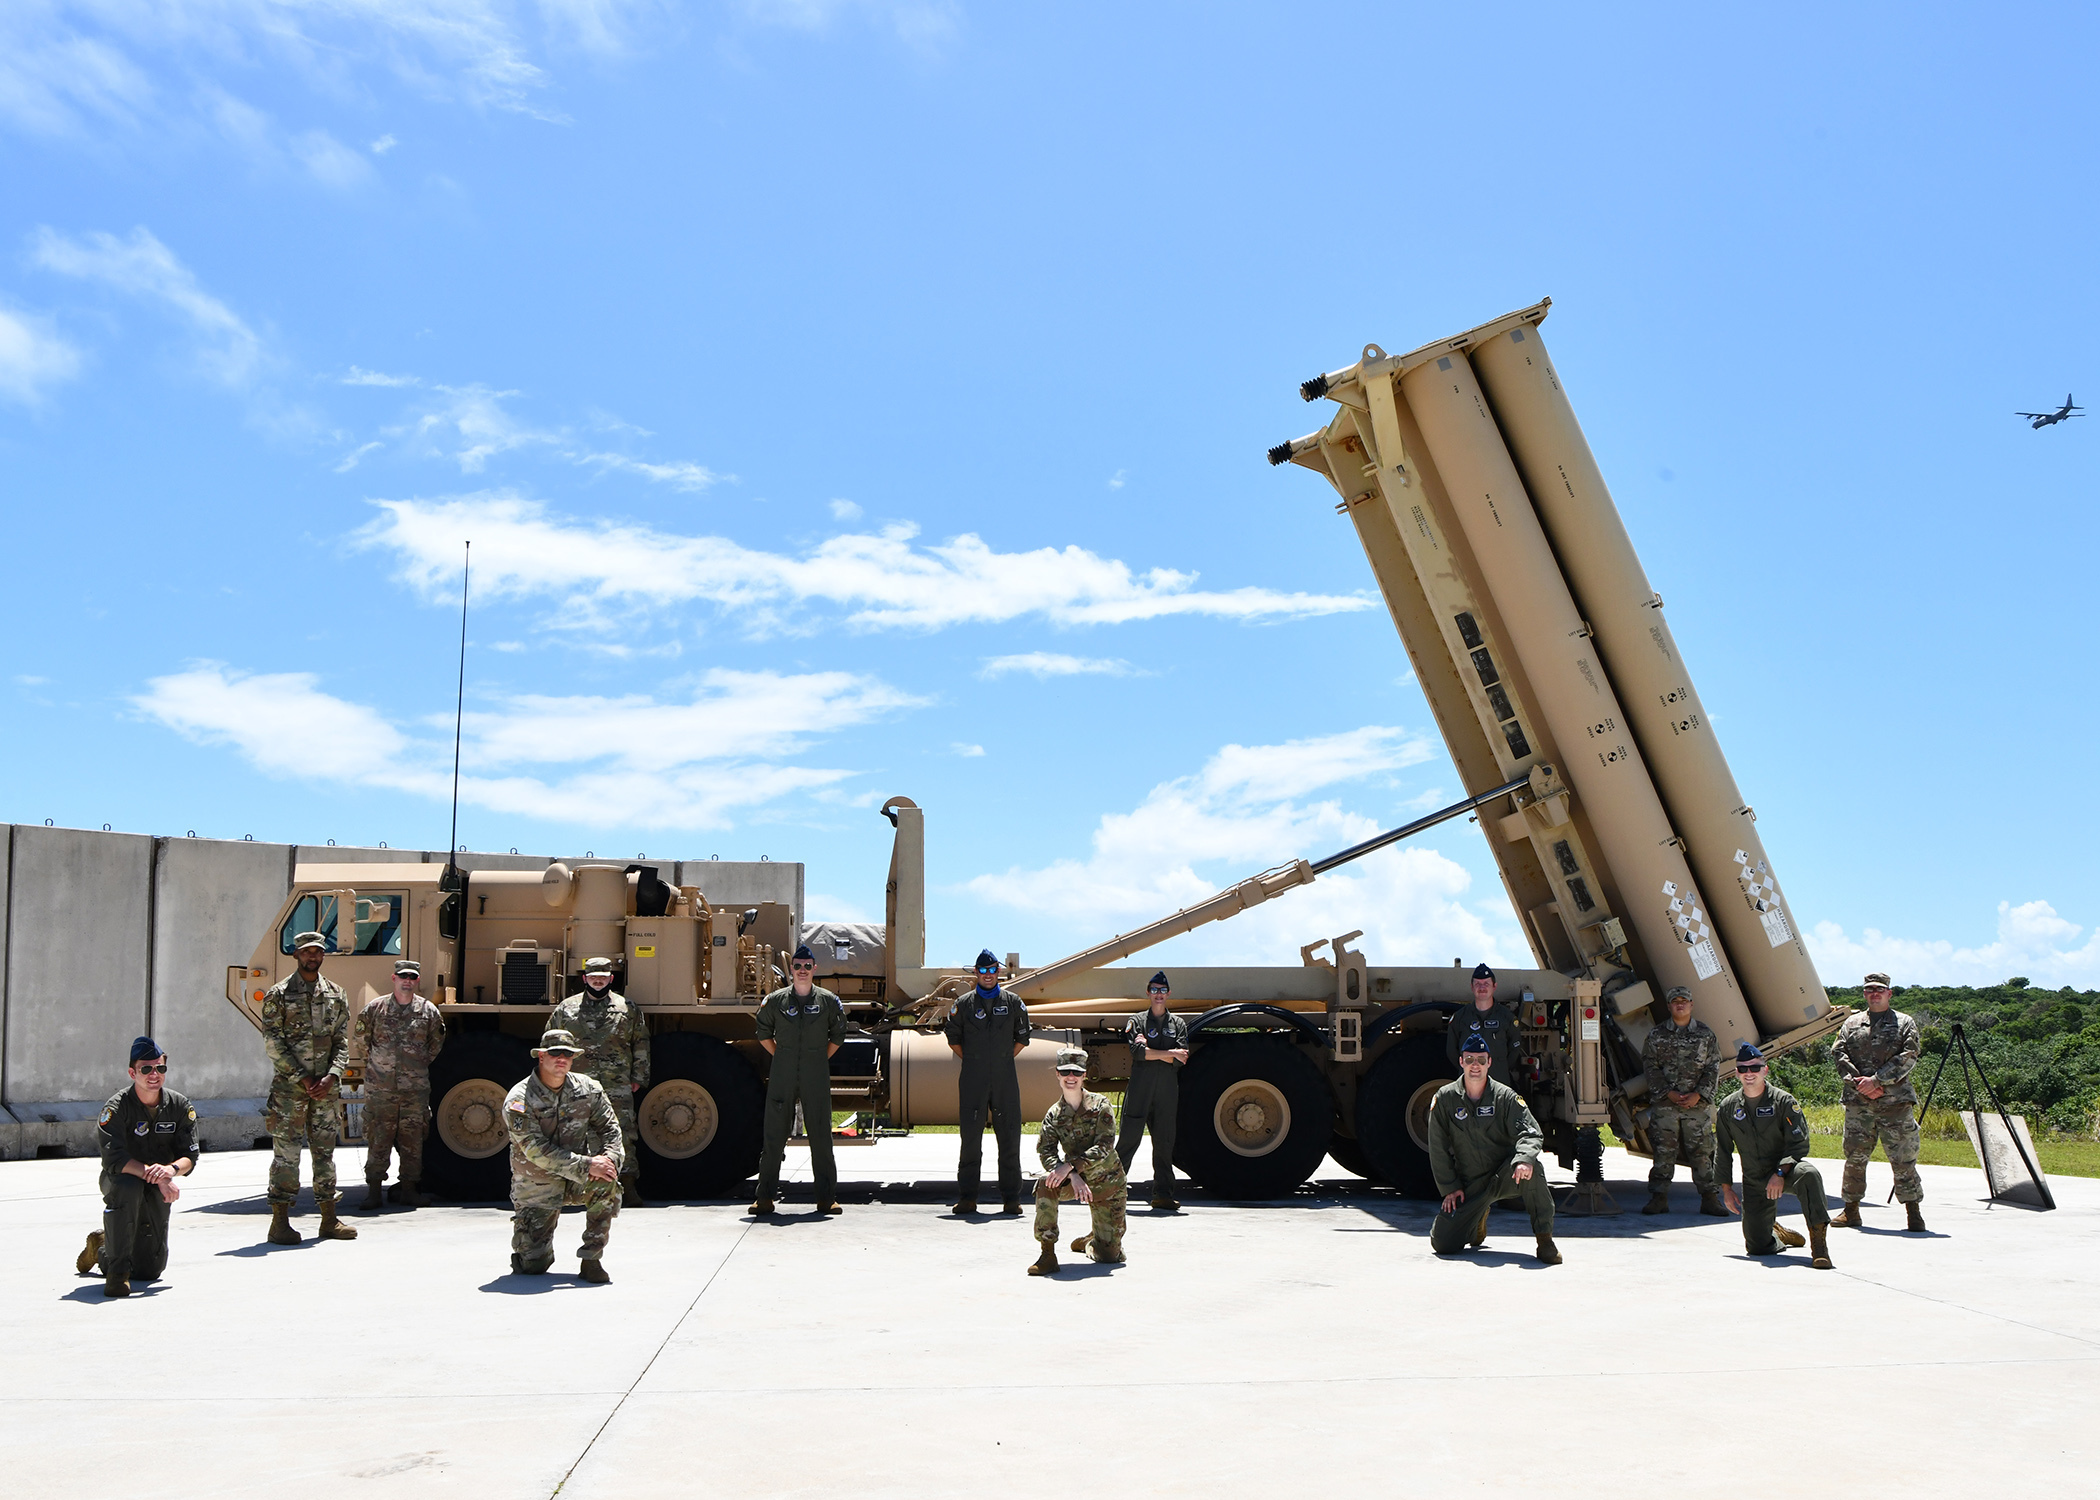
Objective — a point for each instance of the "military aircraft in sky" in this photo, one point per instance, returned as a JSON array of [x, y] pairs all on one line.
[[2050, 418]]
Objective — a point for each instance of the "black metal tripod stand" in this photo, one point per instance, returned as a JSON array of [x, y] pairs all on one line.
[[1964, 1053]]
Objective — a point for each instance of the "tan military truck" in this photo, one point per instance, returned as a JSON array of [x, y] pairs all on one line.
[[1630, 856]]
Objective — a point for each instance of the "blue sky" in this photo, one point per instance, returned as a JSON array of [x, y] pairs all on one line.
[[857, 399]]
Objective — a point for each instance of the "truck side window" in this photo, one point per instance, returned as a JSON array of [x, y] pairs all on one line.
[[378, 926], [309, 914]]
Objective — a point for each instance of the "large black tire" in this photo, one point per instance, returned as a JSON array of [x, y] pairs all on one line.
[[1348, 1154], [467, 1156], [1255, 1117], [701, 1120], [1392, 1112]]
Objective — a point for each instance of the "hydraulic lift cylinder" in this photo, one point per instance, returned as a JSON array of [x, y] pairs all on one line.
[[1670, 727], [1601, 761]]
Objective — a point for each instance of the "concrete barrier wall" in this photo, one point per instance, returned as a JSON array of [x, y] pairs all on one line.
[[107, 935]]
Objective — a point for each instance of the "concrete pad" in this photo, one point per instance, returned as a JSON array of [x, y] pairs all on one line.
[[1311, 1343]]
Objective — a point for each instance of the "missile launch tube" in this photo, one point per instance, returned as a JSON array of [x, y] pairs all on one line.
[[1602, 762], [1670, 726]]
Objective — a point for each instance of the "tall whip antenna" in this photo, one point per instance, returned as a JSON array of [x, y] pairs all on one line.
[[459, 713]]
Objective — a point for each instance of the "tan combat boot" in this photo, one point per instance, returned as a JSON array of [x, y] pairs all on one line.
[[1710, 1205], [1787, 1237], [1167, 1205], [1849, 1219], [1658, 1203], [90, 1257], [1480, 1230], [1046, 1263], [1079, 1245], [333, 1228], [830, 1208], [1914, 1219], [281, 1231], [594, 1272], [1548, 1252], [1817, 1247], [410, 1195], [761, 1208], [375, 1195], [116, 1287], [964, 1207]]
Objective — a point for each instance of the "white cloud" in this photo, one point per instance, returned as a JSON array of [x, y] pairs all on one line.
[[844, 510], [967, 751], [331, 163], [470, 426], [926, 26], [2032, 940], [357, 376], [1115, 480], [679, 475], [356, 455], [383, 145], [629, 762], [143, 267], [25, 680], [883, 580], [1243, 813], [32, 357], [1055, 664]]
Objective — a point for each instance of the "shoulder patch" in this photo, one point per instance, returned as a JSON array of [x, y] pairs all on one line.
[[516, 1104], [108, 1110], [193, 1113]]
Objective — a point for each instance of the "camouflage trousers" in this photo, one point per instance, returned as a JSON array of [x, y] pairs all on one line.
[[1894, 1124], [1111, 1207], [295, 1123], [1688, 1132], [535, 1204], [396, 1120], [620, 1092], [1760, 1212]]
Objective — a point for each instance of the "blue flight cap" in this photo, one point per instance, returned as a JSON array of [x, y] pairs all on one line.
[[1482, 971], [985, 959], [1157, 981], [1748, 1052], [1474, 1042], [144, 1049], [803, 955]]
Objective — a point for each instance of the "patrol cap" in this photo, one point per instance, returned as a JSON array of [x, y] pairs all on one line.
[[1675, 993], [308, 940], [558, 1041], [144, 1049], [1747, 1052], [410, 968], [1071, 1059], [597, 966], [1482, 971], [1157, 981], [1875, 981], [986, 960], [1474, 1042], [803, 955]]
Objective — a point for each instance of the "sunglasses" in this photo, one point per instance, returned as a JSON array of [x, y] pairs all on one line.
[[1749, 1067], [799, 964], [153, 1067]]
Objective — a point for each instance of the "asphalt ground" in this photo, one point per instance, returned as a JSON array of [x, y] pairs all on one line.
[[1306, 1345]]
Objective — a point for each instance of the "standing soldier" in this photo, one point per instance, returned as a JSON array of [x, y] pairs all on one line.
[[1683, 1061], [147, 1137], [401, 1033], [1766, 1125], [564, 1137], [1483, 1147], [1875, 1051], [1159, 1046], [615, 1038], [800, 1027], [1079, 1161], [306, 1031], [987, 1030], [1489, 1019]]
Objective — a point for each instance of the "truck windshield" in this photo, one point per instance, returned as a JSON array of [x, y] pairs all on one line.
[[378, 926]]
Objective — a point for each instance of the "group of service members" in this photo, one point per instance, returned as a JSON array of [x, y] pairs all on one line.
[[571, 1120]]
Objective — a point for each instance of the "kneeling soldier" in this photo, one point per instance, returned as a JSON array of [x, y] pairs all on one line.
[[1078, 1148], [1768, 1127], [1483, 1147], [564, 1138], [147, 1136]]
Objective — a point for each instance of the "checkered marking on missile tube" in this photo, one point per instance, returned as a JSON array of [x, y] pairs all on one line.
[[1762, 892]]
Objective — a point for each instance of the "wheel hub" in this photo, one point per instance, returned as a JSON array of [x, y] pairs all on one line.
[[1252, 1117], [678, 1119], [469, 1119]]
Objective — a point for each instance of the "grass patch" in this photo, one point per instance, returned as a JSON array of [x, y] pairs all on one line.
[[1943, 1142]]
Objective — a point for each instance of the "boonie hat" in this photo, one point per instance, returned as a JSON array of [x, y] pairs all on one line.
[[1474, 1042], [558, 1041], [409, 967], [1071, 1059], [1876, 981], [308, 940], [1482, 971], [597, 966]]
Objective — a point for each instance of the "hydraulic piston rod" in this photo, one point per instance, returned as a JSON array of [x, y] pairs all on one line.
[[1233, 900]]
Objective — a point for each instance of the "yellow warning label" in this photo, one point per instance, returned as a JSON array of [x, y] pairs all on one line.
[[647, 950]]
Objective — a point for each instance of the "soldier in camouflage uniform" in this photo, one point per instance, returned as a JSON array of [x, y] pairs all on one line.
[[1875, 1051], [800, 1026], [1483, 1147], [1078, 1148], [1766, 1125], [615, 1038], [564, 1142], [402, 1033], [306, 1031], [1683, 1062]]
